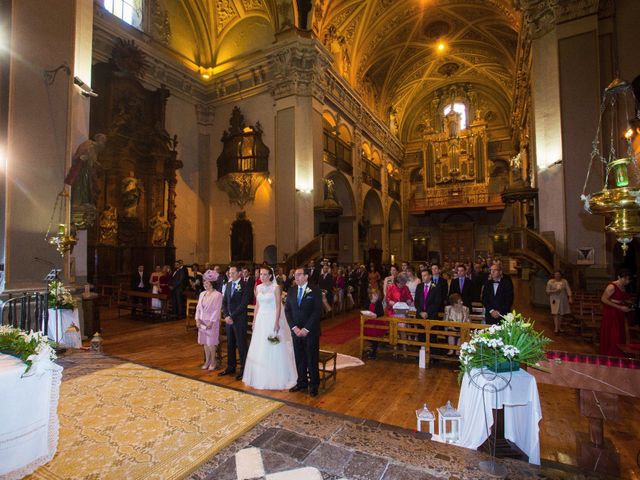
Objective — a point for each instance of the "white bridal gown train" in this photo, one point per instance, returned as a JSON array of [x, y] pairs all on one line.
[[270, 366]]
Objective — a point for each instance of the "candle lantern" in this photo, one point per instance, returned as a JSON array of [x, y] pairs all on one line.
[[425, 415], [96, 343], [449, 423]]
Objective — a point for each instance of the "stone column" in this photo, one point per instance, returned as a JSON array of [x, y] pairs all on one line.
[[566, 88], [205, 115], [46, 124], [298, 67]]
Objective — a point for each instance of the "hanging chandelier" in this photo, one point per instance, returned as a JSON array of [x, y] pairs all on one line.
[[619, 197], [63, 237]]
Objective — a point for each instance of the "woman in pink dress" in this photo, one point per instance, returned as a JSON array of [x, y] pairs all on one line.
[[208, 319], [614, 310], [398, 292]]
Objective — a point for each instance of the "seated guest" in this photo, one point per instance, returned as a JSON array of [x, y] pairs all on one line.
[[497, 295], [456, 311], [429, 299], [398, 292], [462, 285], [375, 306], [195, 279]]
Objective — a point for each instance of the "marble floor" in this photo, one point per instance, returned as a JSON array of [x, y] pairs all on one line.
[[297, 443]]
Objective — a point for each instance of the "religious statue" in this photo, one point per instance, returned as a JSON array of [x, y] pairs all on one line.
[[131, 192], [82, 175], [108, 226], [160, 226]]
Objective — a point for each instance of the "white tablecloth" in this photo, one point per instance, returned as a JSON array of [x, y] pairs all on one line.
[[522, 411], [65, 318], [28, 417]]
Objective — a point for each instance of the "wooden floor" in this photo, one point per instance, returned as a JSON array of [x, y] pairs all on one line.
[[386, 390]]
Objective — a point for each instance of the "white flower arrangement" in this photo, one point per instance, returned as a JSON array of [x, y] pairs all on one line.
[[60, 297], [513, 341], [32, 348]]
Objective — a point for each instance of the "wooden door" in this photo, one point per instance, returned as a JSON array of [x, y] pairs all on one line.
[[457, 243]]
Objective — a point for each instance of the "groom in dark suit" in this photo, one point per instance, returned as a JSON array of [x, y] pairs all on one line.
[[497, 295], [303, 309], [234, 312]]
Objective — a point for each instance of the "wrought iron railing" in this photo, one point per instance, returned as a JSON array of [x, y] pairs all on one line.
[[28, 311], [393, 188]]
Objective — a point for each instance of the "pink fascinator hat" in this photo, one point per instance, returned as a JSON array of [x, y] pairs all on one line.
[[211, 276]]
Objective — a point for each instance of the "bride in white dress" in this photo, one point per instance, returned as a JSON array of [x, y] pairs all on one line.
[[270, 366]]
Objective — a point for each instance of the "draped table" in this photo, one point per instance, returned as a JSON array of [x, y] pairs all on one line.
[[28, 417], [521, 405], [65, 319]]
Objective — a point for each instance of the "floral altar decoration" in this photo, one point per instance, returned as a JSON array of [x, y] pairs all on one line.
[[32, 348], [504, 346], [60, 297]]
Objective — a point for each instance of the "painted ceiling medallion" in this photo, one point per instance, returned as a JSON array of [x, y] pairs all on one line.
[[449, 69], [437, 29]]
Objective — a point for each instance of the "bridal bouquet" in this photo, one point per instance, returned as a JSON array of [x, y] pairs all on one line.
[[273, 339], [503, 347], [32, 348], [60, 297]]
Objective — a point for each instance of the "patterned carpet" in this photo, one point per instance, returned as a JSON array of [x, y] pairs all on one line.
[[124, 421]]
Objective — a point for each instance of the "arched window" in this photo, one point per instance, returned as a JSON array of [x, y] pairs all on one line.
[[461, 110], [129, 11]]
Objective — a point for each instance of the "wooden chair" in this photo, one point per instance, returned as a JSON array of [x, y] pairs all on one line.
[[330, 372], [190, 321]]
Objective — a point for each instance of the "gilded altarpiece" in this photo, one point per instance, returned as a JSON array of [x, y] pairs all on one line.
[[137, 172]]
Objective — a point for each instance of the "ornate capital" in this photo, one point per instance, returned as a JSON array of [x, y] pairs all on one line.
[[541, 16], [299, 69]]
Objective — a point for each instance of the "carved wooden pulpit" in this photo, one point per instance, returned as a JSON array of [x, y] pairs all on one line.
[[600, 380]]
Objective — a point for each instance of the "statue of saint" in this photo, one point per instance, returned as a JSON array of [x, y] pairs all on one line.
[[82, 176], [131, 192], [108, 226], [160, 226]]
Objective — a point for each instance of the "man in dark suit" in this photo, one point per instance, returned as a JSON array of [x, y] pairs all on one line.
[[326, 283], [177, 284], [314, 273], [463, 286], [497, 295], [140, 281], [234, 312], [441, 283], [249, 281], [303, 309], [429, 299]]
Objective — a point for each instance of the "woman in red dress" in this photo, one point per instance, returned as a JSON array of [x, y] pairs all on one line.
[[164, 280], [398, 292], [614, 311]]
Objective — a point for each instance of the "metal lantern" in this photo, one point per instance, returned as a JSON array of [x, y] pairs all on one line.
[[425, 415], [620, 192], [449, 423], [96, 343]]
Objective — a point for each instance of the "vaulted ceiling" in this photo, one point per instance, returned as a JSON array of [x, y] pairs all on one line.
[[386, 49]]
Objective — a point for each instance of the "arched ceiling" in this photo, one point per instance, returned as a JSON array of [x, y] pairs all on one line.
[[387, 49]]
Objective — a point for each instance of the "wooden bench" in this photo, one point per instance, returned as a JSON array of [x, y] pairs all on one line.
[[109, 294], [330, 372], [140, 302], [418, 333]]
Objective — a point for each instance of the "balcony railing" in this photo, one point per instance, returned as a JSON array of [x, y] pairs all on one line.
[[371, 174], [393, 188], [337, 153]]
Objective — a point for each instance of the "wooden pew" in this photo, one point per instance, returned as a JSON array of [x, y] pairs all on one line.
[[140, 302], [109, 294], [416, 332]]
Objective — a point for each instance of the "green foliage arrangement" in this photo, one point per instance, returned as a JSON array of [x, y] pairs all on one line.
[[29, 347]]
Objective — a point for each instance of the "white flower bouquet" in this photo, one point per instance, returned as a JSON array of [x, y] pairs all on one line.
[[60, 297], [32, 348], [504, 346]]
